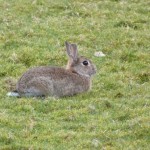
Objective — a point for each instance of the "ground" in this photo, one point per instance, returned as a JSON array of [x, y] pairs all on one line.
[[115, 114]]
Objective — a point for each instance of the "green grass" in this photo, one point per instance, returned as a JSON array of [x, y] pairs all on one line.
[[115, 114]]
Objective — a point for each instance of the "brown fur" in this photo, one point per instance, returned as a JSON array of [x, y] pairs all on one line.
[[58, 82]]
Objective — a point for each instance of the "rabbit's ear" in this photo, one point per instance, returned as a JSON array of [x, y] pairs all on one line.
[[72, 51], [75, 52]]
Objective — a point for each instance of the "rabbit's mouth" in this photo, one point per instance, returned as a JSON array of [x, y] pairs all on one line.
[[92, 73]]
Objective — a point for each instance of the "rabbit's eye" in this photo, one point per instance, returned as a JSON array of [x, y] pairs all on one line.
[[85, 63]]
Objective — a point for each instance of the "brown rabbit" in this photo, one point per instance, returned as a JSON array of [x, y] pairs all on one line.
[[55, 81]]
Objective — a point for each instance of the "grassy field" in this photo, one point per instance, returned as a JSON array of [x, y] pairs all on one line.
[[115, 114]]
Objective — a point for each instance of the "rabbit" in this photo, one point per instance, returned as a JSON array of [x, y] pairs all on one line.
[[56, 81]]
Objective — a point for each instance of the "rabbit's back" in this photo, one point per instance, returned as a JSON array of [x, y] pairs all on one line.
[[52, 81]]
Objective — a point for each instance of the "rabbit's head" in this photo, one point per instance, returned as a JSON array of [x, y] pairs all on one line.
[[79, 64]]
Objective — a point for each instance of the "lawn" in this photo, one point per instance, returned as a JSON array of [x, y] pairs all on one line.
[[115, 114]]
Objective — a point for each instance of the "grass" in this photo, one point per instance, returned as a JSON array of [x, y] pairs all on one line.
[[115, 113]]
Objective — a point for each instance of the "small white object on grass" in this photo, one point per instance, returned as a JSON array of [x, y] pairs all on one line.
[[99, 54], [13, 94]]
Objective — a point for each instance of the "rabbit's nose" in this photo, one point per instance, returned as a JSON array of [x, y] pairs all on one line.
[[94, 72], [94, 69]]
